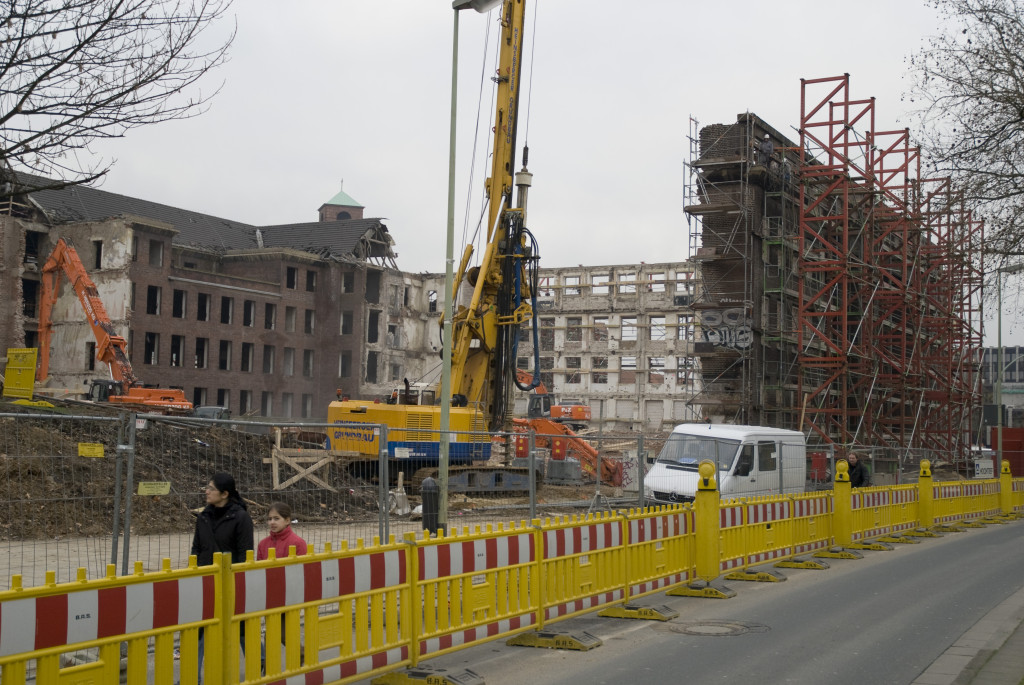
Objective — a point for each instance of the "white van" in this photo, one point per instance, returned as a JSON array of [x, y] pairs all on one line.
[[752, 460]]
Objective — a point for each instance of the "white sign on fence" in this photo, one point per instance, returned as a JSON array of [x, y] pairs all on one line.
[[984, 468]]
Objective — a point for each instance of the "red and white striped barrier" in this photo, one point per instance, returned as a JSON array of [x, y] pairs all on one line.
[[563, 542], [279, 586], [816, 506], [465, 637], [584, 604], [67, 619], [870, 500], [348, 669], [767, 512], [475, 556], [660, 527], [730, 516]]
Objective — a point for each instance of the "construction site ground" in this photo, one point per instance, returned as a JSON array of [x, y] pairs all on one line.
[[37, 478], [60, 505]]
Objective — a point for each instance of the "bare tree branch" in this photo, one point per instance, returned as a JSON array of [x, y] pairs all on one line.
[[969, 83], [74, 71]]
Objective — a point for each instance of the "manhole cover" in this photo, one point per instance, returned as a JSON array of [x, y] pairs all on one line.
[[715, 628]]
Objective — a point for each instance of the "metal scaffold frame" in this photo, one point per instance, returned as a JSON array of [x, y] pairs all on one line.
[[721, 245], [889, 326]]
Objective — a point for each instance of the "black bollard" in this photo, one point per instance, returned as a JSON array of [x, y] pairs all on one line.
[[430, 492]]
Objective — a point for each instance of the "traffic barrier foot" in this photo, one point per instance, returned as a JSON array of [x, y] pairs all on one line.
[[972, 524], [801, 562], [767, 576], [838, 553], [922, 533], [899, 540], [999, 518], [431, 676], [582, 642], [702, 588], [658, 613], [948, 528], [880, 545]]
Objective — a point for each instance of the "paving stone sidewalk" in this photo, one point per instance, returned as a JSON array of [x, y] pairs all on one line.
[[990, 653]]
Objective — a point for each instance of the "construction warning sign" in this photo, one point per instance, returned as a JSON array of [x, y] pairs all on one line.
[[20, 374]]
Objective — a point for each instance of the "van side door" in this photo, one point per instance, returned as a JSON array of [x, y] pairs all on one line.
[[744, 473], [768, 467]]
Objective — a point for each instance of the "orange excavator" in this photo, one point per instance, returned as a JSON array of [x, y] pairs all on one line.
[[542, 405], [123, 388], [555, 426]]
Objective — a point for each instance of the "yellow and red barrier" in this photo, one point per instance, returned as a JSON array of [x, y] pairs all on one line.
[[473, 587], [340, 616], [660, 550], [811, 522], [583, 565]]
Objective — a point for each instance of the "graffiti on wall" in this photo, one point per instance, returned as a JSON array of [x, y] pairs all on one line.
[[727, 328]]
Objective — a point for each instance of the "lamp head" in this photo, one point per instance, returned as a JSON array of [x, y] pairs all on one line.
[[478, 5]]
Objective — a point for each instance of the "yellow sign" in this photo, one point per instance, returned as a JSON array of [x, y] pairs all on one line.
[[90, 449], [154, 487], [20, 374]]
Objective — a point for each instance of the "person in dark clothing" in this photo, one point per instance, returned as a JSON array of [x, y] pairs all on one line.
[[223, 526], [859, 476]]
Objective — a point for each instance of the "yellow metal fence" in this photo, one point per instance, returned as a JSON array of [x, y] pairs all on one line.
[[341, 615]]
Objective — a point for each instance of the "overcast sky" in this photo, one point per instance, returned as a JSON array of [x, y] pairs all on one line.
[[320, 91]]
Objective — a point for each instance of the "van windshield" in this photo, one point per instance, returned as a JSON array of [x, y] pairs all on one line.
[[688, 451]]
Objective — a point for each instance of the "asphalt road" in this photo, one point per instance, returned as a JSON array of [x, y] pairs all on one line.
[[881, 619]]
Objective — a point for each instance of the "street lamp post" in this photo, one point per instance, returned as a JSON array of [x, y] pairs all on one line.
[[1000, 365], [449, 296]]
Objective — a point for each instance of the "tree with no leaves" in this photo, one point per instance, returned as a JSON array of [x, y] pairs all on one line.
[[970, 82], [73, 71]]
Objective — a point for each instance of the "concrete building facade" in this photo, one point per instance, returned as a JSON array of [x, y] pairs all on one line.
[[274, 321], [271, 320], [620, 339]]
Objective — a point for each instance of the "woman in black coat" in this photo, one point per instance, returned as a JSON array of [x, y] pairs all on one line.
[[224, 525]]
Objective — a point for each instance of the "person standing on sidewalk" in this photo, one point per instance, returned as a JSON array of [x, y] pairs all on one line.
[[279, 521], [859, 476], [223, 526]]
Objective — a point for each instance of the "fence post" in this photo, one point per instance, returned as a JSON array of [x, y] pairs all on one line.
[[531, 464], [538, 588], [129, 449], [383, 529], [227, 645], [641, 466], [707, 518], [408, 616], [1006, 488], [115, 525], [842, 513], [925, 496]]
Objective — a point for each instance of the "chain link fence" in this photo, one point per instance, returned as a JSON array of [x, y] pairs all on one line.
[[88, 491]]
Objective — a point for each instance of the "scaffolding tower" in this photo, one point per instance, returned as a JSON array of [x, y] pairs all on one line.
[[840, 291]]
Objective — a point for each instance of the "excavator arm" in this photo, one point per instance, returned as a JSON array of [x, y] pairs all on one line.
[[111, 348]]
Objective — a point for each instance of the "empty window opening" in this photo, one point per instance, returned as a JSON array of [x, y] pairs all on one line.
[[150, 355], [179, 304], [153, 300], [224, 363], [227, 309], [177, 350]]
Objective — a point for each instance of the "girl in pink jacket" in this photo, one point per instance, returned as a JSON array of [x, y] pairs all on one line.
[[279, 520]]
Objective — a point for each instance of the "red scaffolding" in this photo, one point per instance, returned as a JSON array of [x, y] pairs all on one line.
[[889, 319]]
